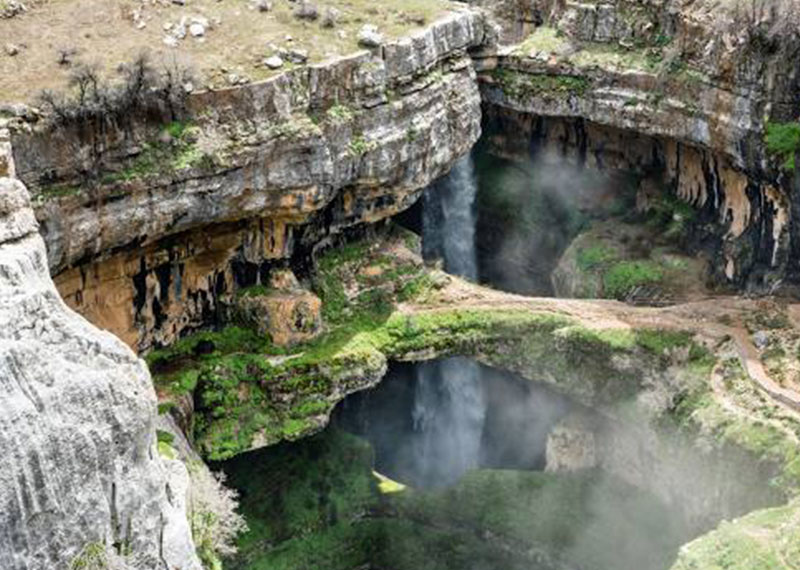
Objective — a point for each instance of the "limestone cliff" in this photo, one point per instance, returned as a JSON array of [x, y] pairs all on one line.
[[182, 214], [698, 80], [274, 167], [78, 436]]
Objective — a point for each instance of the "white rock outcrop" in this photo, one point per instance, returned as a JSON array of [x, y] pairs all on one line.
[[77, 434]]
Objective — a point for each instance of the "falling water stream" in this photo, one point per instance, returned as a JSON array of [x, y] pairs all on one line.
[[449, 404]]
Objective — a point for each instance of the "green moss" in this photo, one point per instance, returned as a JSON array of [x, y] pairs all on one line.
[[50, 191], [165, 437], [340, 114], [254, 291], [165, 407], [768, 539], [360, 146], [166, 451], [417, 288], [523, 85], [94, 556], [783, 140], [225, 341], [299, 489], [660, 341], [622, 277], [159, 158], [177, 129], [596, 256]]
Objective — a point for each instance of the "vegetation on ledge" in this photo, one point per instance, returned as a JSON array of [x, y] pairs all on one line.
[[249, 393], [521, 85]]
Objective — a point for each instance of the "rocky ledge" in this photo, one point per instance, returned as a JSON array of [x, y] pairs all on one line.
[[670, 405], [274, 167]]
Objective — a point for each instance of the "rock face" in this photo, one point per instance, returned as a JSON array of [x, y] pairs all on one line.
[[571, 445], [278, 167], [274, 167], [744, 225], [701, 82], [78, 433]]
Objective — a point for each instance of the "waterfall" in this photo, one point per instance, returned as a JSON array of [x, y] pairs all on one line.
[[449, 404], [448, 224]]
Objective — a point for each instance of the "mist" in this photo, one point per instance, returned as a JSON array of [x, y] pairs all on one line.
[[529, 210]]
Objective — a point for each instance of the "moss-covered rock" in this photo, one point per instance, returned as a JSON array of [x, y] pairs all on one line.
[[768, 539], [315, 505], [635, 262], [380, 303]]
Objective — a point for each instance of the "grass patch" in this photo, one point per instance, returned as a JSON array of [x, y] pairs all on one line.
[[51, 191], [596, 256], [340, 114], [543, 39], [161, 158], [520, 85], [622, 277]]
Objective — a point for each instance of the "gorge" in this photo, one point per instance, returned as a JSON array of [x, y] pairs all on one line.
[[515, 287]]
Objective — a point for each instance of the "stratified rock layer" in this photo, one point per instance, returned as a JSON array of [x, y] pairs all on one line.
[[77, 429], [700, 80], [287, 163]]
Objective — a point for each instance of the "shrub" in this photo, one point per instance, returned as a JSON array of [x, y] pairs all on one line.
[[92, 557], [92, 98], [783, 140], [213, 516], [98, 556], [596, 256], [339, 114], [96, 105]]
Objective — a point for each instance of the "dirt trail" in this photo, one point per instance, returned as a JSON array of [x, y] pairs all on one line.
[[708, 318], [749, 356]]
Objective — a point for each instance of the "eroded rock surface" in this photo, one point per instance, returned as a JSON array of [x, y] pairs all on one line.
[[700, 80], [77, 429], [274, 167]]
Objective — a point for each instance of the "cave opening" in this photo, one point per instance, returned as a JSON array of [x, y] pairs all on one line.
[[431, 422], [566, 208], [381, 488]]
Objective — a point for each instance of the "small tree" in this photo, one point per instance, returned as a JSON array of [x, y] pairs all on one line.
[[213, 517]]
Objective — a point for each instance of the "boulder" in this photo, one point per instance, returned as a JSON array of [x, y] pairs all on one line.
[[274, 62], [263, 5], [370, 37], [296, 55], [286, 312], [571, 445], [306, 11], [330, 18]]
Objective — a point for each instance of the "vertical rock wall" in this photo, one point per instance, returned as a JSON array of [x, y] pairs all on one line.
[[77, 434]]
